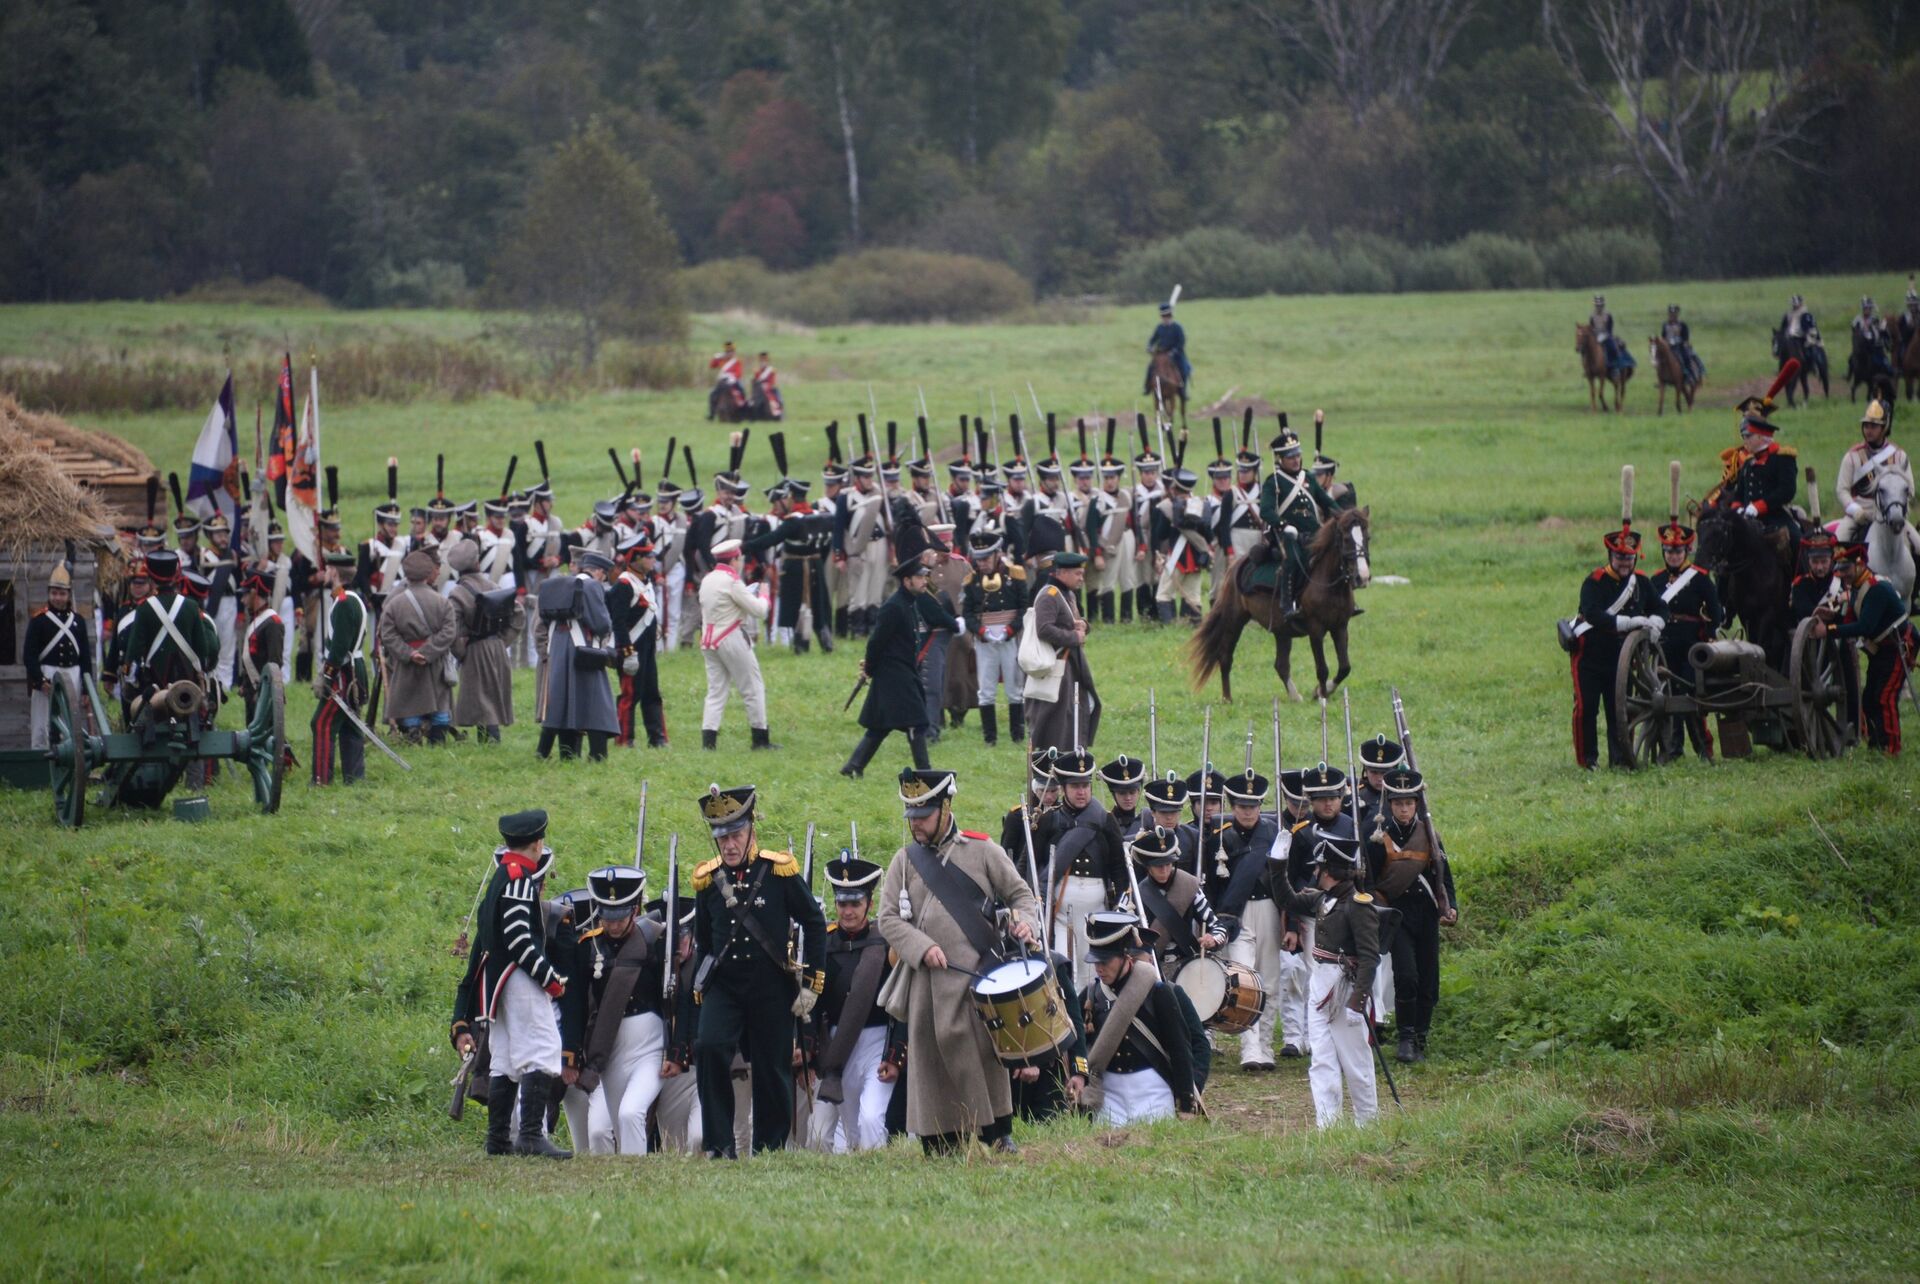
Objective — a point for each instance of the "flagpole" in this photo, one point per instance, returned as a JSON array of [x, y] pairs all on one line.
[[319, 506]]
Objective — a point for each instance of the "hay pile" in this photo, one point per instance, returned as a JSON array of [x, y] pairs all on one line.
[[39, 503]]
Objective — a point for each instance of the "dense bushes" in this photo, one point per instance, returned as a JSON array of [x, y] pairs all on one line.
[[877, 285], [1221, 262]]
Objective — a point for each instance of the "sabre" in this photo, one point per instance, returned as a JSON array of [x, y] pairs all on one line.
[[1249, 766], [858, 687], [367, 731], [1353, 779]]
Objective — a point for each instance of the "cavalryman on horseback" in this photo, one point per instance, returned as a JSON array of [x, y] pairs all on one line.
[[1761, 481], [1293, 506], [1679, 337], [1618, 358], [1169, 338], [1873, 457]]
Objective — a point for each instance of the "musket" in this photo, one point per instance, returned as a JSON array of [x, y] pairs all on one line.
[[670, 974], [800, 933], [1323, 728], [1206, 749], [1153, 735], [463, 1078], [367, 731], [1426, 812], [1033, 875], [1279, 790], [1353, 779], [1249, 766]]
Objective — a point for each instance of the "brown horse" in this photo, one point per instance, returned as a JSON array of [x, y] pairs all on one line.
[[1672, 374], [1169, 386], [1909, 365], [1593, 360], [1336, 566]]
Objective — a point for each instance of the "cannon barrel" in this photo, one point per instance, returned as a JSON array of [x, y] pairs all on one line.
[[181, 700], [1724, 655]]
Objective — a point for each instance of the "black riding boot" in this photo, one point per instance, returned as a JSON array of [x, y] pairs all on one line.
[[1126, 607], [990, 724], [437, 734], [826, 640], [1409, 1050], [759, 740], [1017, 721], [569, 745], [917, 743], [840, 620], [1106, 607], [709, 739], [1164, 612], [862, 755], [547, 736], [501, 1093], [799, 643], [535, 1089], [597, 746]]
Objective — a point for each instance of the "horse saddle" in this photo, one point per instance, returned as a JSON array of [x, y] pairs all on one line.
[[1258, 572]]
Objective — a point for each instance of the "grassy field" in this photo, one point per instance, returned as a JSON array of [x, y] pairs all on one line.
[[1677, 1033]]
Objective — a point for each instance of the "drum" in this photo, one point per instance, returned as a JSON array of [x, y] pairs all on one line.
[[1025, 1012], [1226, 995]]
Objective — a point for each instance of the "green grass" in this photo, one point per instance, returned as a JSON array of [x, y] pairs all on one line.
[[1677, 1033]]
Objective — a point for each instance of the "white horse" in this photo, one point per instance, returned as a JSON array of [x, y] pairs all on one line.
[[1889, 555]]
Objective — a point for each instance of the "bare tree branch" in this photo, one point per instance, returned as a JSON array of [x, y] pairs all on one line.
[[1698, 91], [1368, 50]]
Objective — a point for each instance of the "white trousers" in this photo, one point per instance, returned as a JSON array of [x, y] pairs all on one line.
[[998, 665], [1262, 918], [872, 577], [1383, 989], [1296, 979], [527, 651], [677, 1111], [859, 1122], [617, 1107], [526, 1030], [732, 666], [1341, 1053], [223, 619], [40, 705], [675, 601], [287, 632], [1176, 587], [1138, 1097], [1080, 897]]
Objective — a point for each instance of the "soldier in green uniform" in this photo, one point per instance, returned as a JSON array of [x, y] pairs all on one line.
[[748, 902], [165, 641], [509, 989], [343, 674], [1292, 505]]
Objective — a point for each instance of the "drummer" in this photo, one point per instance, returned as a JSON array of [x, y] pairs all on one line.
[[1172, 902], [1139, 1055], [957, 1089]]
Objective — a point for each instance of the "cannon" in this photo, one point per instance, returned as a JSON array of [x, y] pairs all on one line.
[[1808, 709], [141, 763]]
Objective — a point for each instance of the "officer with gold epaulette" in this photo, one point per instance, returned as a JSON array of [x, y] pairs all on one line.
[[749, 901]]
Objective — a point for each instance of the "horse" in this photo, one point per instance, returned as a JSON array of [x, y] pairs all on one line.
[[1593, 360], [1752, 575], [1888, 554], [1863, 367], [1812, 356], [1909, 364], [1666, 363], [1336, 565], [739, 403], [1169, 385]]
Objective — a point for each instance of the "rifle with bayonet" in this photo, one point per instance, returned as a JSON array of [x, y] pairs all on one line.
[[1440, 879]]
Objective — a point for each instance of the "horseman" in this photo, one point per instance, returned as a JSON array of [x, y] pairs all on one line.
[[1874, 456], [1797, 322], [1293, 506], [1679, 337], [1763, 479], [1907, 324], [1871, 328], [727, 384], [1169, 338], [766, 388], [1618, 358]]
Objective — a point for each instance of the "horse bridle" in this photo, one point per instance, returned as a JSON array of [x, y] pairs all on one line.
[[1349, 559]]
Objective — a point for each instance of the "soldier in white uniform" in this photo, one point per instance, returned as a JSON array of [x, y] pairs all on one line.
[[1861, 468], [726, 605]]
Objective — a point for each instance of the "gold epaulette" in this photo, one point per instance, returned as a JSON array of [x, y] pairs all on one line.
[[1361, 898], [1302, 825], [784, 865], [703, 875], [1791, 452], [833, 927], [1017, 572]]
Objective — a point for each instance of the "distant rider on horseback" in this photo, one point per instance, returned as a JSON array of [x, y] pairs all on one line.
[[727, 362], [1680, 338], [1872, 327], [1168, 337], [1797, 322], [1907, 324], [766, 387], [1618, 358], [1861, 469], [1293, 506]]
